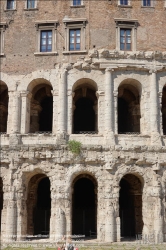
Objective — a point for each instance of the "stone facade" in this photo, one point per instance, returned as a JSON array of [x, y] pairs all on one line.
[[123, 153]]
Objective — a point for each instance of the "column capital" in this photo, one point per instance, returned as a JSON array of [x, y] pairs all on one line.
[[54, 92], [99, 93], [109, 69], [152, 71], [26, 94]]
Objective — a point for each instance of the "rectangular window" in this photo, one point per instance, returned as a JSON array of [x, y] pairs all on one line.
[[76, 2], [46, 41], [125, 39], [74, 39], [30, 4], [123, 2], [10, 4], [146, 2]]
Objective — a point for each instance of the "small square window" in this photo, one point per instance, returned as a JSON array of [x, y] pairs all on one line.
[[31, 4], [10, 4], [123, 2], [76, 2], [147, 3], [74, 39], [125, 39], [46, 41]]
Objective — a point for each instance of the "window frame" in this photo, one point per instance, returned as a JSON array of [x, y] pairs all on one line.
[[76, 5], [46, 26], [126, 24], [14, 5], [125, 37], [47, 38], [3, 26], [74, 24], [148, 6], [75, 38], [124, 5], [26, 4]]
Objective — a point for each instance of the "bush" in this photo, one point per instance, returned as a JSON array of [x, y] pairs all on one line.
[[74, 146]]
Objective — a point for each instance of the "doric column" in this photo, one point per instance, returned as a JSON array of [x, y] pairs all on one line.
[[62, 119], [25, 111], [55, 111], [109, 101], [110, 225], [11, 218]]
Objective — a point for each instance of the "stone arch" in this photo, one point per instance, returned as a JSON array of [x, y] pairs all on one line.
[[3, 106], [85, 107], [129, 114], [130, 205], [163, 109], [38, 205], [41, 106], [84, 204]]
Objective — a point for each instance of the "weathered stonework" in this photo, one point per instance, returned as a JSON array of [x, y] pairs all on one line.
[[110, 159]]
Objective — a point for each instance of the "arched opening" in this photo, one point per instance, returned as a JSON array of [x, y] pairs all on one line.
[[85, 110], [1, 200], [164, 110], [3, 107], [84, 206], [38, 205], [130, 206], [128, 109], [41, 109]]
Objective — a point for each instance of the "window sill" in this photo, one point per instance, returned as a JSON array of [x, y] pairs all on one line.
[[53, 53], [2, 54], [151, 7], [77, 6], [75, 52], [9, 10], [124, 6], [31, 9]]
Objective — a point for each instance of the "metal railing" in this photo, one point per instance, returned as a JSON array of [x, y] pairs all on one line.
[[86, 132], [129, 133]]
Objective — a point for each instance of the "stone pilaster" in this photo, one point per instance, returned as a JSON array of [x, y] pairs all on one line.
[[25, 111], [109, 106], [99, 112], [55, 111]]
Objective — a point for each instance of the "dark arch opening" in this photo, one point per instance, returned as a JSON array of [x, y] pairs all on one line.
[[164, 110], [1, 200], [3, 107], [128, 109], [85, 112], [43, 208], [130, 206], [84, 115], [45, 120], [41, 109], [84, 207]]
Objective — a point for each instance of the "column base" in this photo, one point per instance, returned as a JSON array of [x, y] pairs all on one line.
[[109, 138]]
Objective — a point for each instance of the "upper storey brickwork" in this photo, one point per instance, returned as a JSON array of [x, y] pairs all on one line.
[[99, 23]]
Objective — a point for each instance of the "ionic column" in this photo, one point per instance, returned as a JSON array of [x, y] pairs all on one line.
[[15, 128], [154, 110], [109, 101], [154, 118], [25, 111], [13, 123], [55, 111], [62, 119], [100, 112]]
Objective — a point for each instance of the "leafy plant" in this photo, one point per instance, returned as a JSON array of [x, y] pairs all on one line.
[[74, 146]]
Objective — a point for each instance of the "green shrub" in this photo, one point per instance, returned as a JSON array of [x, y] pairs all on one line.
[[74, 146]]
